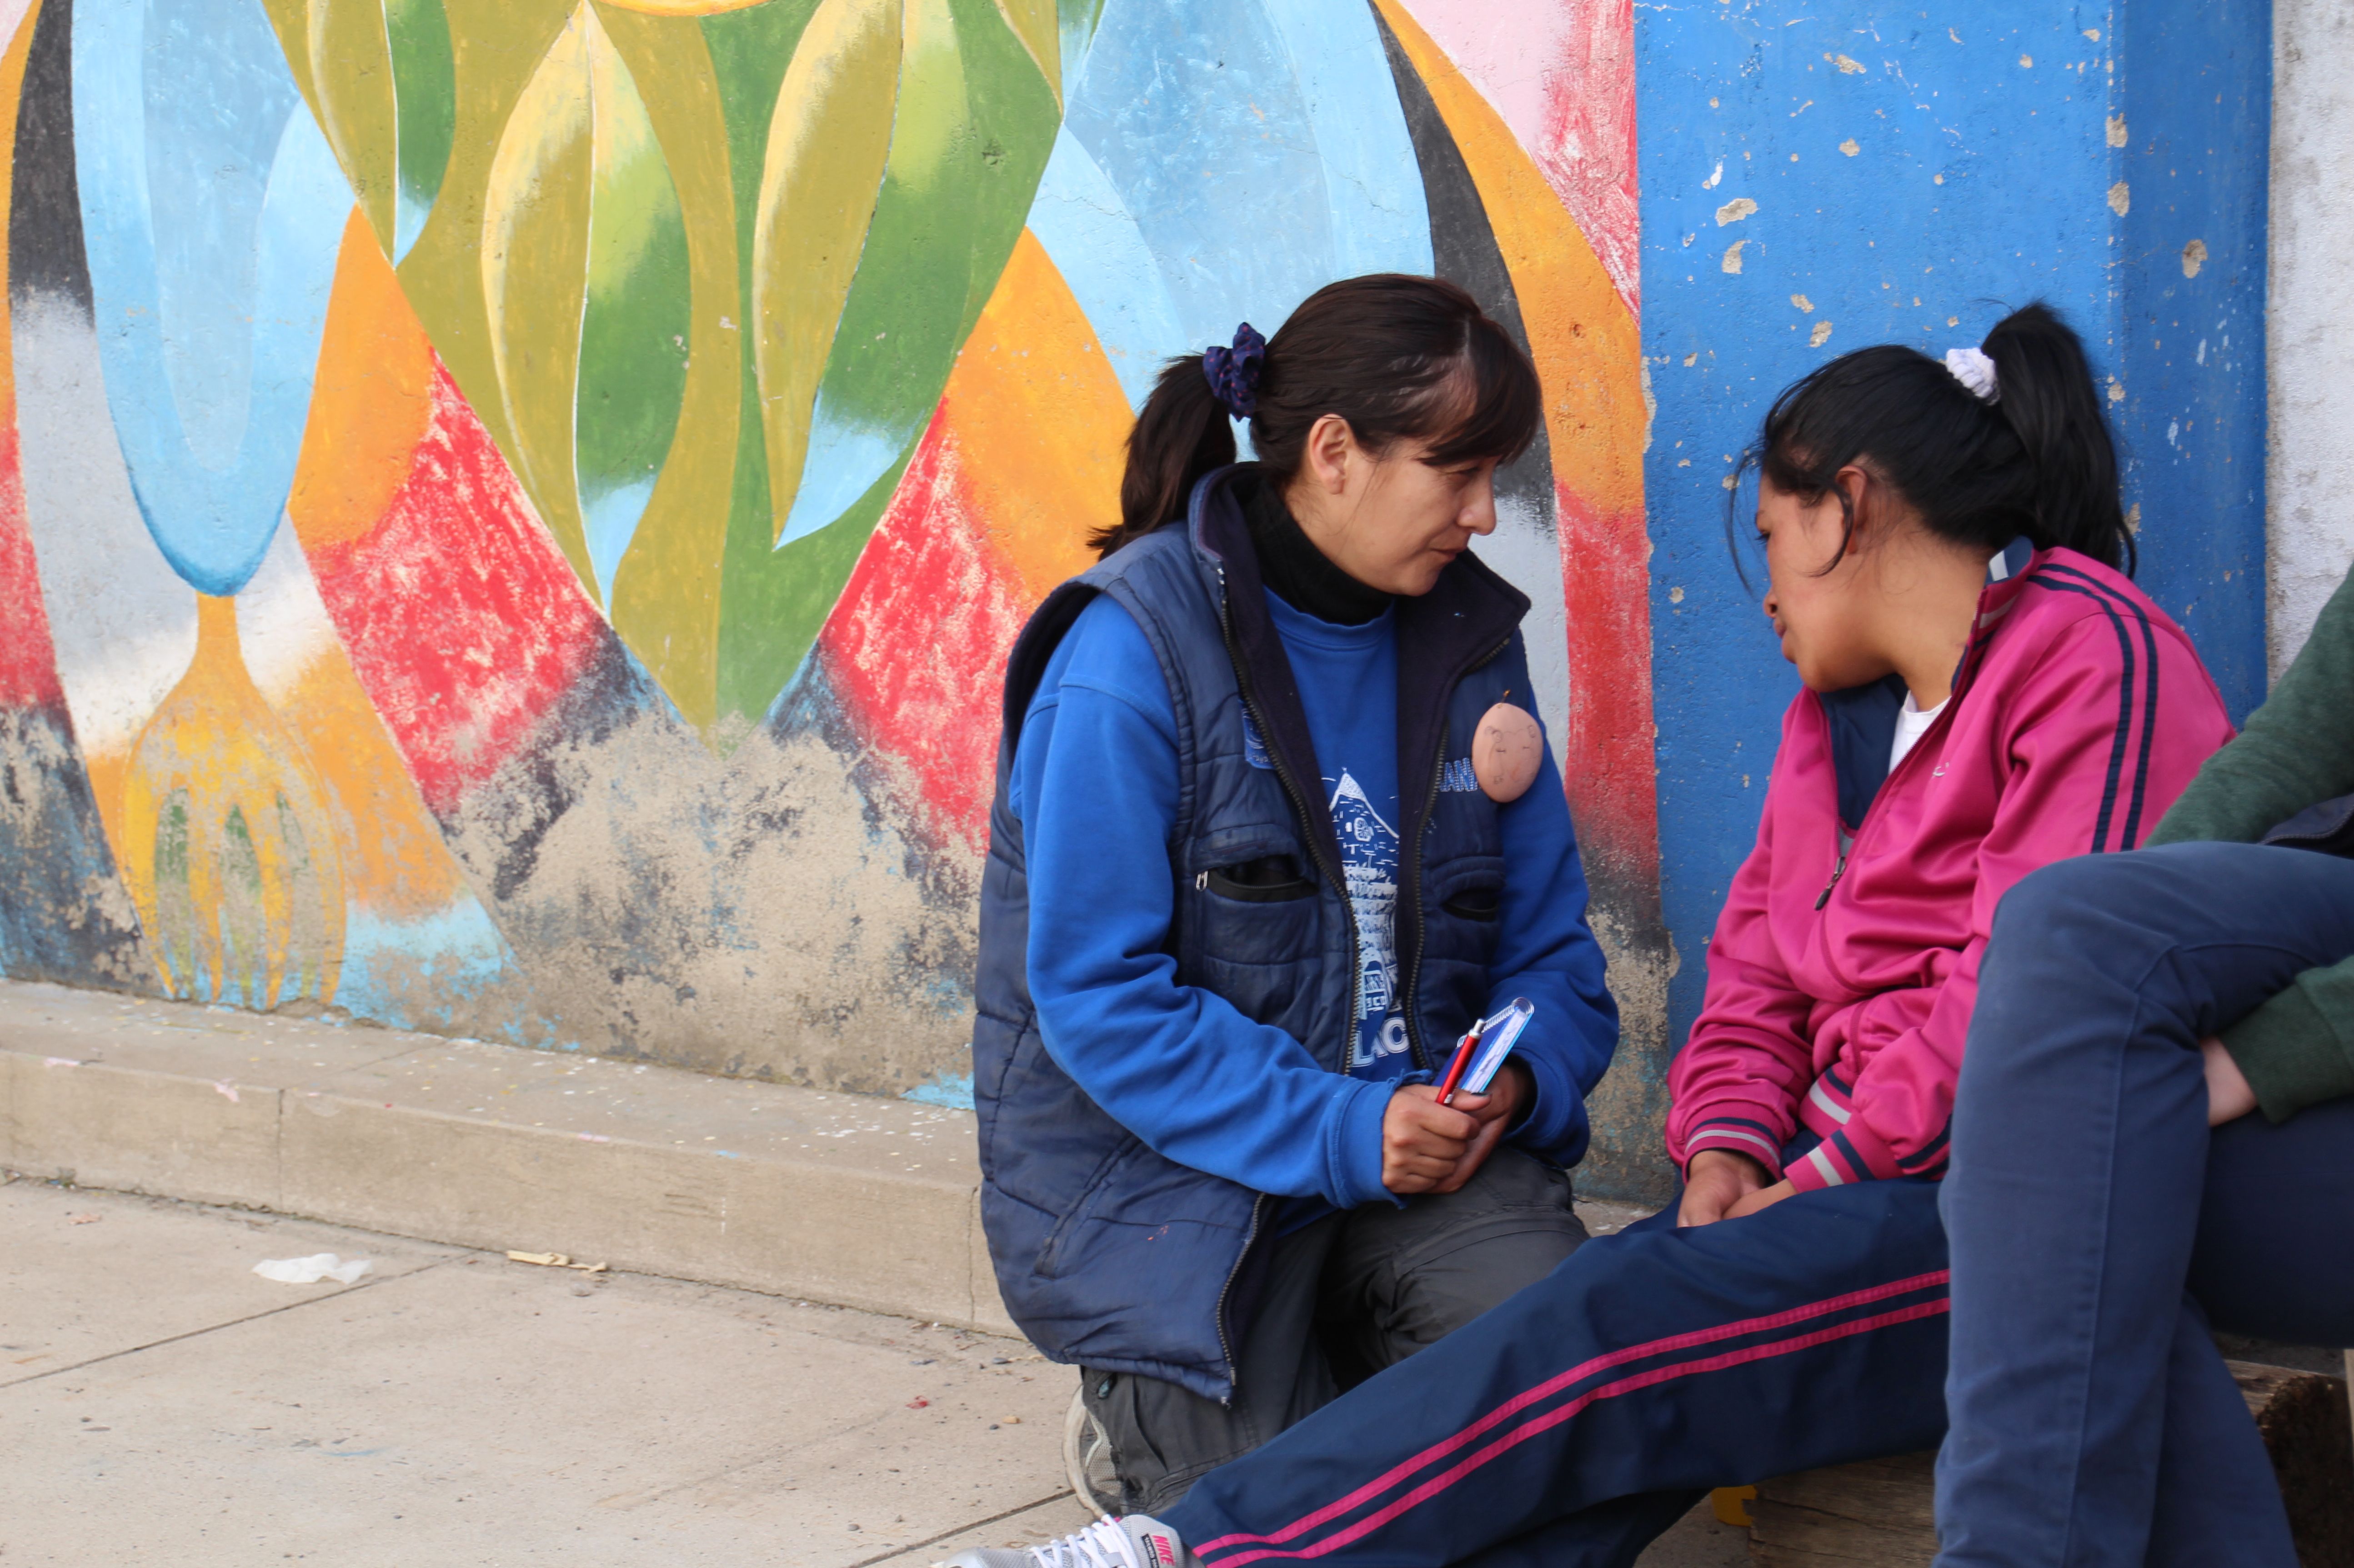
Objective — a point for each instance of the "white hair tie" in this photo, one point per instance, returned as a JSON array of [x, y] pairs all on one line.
[[1973, 369]]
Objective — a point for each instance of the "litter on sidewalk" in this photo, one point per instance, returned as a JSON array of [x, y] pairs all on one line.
[[312, 1269], [554, 1260]]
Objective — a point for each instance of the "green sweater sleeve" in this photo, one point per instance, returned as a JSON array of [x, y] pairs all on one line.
[[2298, 748], [2294, 1050], [2298, 1049]]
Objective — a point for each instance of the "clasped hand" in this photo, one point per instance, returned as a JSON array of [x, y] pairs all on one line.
[[1722, 1185], [1430, 1148]]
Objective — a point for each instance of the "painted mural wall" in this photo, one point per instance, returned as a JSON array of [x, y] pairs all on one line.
[[512, 512]]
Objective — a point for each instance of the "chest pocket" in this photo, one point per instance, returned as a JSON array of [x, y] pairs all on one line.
[[1267, 879]]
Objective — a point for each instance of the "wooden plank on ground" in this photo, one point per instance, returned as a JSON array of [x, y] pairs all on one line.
[[1880, 1513]]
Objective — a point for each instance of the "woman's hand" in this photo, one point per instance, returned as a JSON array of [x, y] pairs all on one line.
[[1508, 1095], [1717, 1180], [2228, 1094], [1764, 1198], [1424, 1141]]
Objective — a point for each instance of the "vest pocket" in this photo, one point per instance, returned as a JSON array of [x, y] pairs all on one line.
[[1099, 1184], [1475, 904], [1269, 879]]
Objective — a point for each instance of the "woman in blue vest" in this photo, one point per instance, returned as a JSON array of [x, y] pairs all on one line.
[[1249, 880]]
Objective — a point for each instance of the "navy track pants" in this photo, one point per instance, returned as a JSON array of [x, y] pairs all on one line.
[[1570, 1426], [2098, 1227]]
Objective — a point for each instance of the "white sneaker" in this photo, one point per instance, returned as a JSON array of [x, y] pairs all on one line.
[[1135, 1541]]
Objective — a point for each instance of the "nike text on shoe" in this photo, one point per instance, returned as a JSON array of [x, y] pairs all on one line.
[[1136, 1540]]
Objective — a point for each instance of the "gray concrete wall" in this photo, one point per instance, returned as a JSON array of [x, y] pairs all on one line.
[[2309, 467]]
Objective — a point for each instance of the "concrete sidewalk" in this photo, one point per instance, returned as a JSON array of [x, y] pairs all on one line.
[[159, 1402]]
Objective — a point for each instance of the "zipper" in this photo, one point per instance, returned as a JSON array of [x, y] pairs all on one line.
[[1839, 870], [1331, 875], [1431, 805], [1225, 1345]]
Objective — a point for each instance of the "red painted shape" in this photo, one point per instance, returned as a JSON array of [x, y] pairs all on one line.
[[28, 664], [917, 644], [463, 622], [1611, 776], [1588, 147]]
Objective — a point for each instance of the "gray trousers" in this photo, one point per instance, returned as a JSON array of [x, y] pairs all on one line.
[[1337, 1301]]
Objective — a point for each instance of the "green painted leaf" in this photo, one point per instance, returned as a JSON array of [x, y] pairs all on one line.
[[425, 95], [635, 317]]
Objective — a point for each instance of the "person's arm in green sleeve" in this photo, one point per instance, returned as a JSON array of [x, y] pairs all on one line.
[[2298, 748], [2298, 1049]]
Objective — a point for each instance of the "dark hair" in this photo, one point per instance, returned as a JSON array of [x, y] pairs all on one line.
[[1399, 357], [2037, 462]]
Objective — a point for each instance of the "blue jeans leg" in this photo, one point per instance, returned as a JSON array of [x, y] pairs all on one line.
[[2218, 1501], [2072, 1204]]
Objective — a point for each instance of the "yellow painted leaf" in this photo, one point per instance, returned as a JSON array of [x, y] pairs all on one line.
[[351, 68], [828, 141], [534, 275], [682, 7], [1034, 23]]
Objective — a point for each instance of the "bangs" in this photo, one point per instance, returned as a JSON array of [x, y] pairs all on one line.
[[1492, 406]]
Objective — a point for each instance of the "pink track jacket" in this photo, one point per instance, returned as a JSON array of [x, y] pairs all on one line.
[[1844, 965]]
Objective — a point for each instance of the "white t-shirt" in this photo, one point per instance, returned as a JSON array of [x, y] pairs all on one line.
[[1911, 723]]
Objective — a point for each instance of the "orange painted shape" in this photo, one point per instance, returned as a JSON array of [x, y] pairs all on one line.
[[1039, 423], [370, 401], [1587, 346], [12, 92], [261, 908], [395, 862]]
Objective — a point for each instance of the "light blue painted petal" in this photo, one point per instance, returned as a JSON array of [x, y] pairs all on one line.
[[611, 522], [213, 211], [1190, 109], [1373, 183], [1110, 271], [844, 460], [1076, 22], [408, 215], [1209, 121]]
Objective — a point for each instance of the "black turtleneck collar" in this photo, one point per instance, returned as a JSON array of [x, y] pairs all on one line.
[[1291, 564]]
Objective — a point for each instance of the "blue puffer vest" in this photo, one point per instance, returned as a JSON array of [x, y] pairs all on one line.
[[1107, 1254]]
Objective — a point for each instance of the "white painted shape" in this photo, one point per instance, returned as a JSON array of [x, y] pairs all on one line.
[[12, 12], [1380, 222], [282, 623], [1525, 549], [2309, 466], [123, 622]]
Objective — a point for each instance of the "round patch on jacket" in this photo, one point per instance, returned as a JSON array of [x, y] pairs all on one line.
[[1506, 752]]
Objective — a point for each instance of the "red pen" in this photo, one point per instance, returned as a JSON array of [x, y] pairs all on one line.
[[1455, 1068]]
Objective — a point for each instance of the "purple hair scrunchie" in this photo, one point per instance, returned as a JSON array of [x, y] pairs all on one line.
[[1234, 372]]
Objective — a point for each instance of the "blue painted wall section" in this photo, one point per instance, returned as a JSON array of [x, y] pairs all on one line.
[[1912, 176]]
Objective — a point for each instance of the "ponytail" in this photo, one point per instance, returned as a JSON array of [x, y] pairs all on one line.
[[1399, 357], [2047, 398], [2034, 458], [1182, 435]]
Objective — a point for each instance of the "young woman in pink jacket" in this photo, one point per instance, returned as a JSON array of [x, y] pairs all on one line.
[[1986, 691]]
